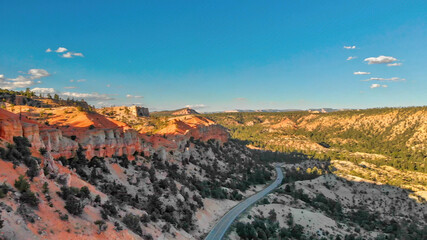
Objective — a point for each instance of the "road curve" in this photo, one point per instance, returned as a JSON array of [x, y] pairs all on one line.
[[225, 222]]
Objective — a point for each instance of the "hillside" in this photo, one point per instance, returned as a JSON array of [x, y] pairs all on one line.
[[315, 203], [182, 111], [392, 136], [71, 174]]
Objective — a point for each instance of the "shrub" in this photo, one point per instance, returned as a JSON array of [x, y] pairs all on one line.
[[132, 222], [102, 225], [74, 205], [84, 192], [29, 198], [42, 151], [45, 187], [4, 189], [33, 170], [63, 217], [22, 184], [108, 209]]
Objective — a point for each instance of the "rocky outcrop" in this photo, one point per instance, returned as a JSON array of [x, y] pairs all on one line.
[[185, 111], [13, 125], [196, 127], [57, 144], [109, 142], [106, 142]]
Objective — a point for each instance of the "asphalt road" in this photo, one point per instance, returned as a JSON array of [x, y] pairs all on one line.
[[225, 222]]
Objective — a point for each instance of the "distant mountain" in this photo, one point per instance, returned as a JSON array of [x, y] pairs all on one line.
[[182, 111], [264, 110]]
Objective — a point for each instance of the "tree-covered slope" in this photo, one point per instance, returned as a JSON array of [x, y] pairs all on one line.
[[390, 136]]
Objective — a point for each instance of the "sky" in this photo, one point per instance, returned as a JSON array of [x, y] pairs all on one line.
[[218, 55]]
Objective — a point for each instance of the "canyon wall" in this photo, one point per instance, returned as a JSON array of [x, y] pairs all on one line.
[[105, 142]]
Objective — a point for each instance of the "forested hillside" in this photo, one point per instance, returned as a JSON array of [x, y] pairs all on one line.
[[386, 136]]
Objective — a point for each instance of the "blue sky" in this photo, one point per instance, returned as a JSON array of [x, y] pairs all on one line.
[[218, 55]]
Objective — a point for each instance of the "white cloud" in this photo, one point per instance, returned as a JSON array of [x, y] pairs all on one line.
[[350, 47], [61, 50], [133, 96], [196, 106], [393, 79], [394, 64], [67, 55], [43, 90], [351, 58], [38, 73], [78, 54], [376, 85], [78, 80], [361, 73], [23, 81], [71, 54], [48, 50], [380, 59], [88, 96], [70, 87], [19, 82], [108, 85]]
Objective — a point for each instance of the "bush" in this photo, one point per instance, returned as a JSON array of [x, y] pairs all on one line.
[[74, 205], [42, 151], [108, 209], [63, 217], [29, 198], [84, 192], [22, 184], [132, 222], [33, 170], [45, 188], [102, 225], [4, 189]]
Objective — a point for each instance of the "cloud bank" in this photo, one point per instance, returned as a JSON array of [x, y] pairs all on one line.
[[23, 81], [86, 96]]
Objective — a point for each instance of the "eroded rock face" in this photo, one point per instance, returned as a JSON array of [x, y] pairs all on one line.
[[12, 125], [57, 144], [109, 142], [106, 142]]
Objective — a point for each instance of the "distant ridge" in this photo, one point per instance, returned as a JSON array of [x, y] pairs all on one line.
[[263, 110], [178, 112], [313, 110]]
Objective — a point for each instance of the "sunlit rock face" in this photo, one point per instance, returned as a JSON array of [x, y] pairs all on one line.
[[115, 139]]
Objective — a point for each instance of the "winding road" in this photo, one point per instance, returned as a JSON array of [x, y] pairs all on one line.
[[225, 222]]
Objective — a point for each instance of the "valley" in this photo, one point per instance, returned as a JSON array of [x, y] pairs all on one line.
[[129, 174]]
